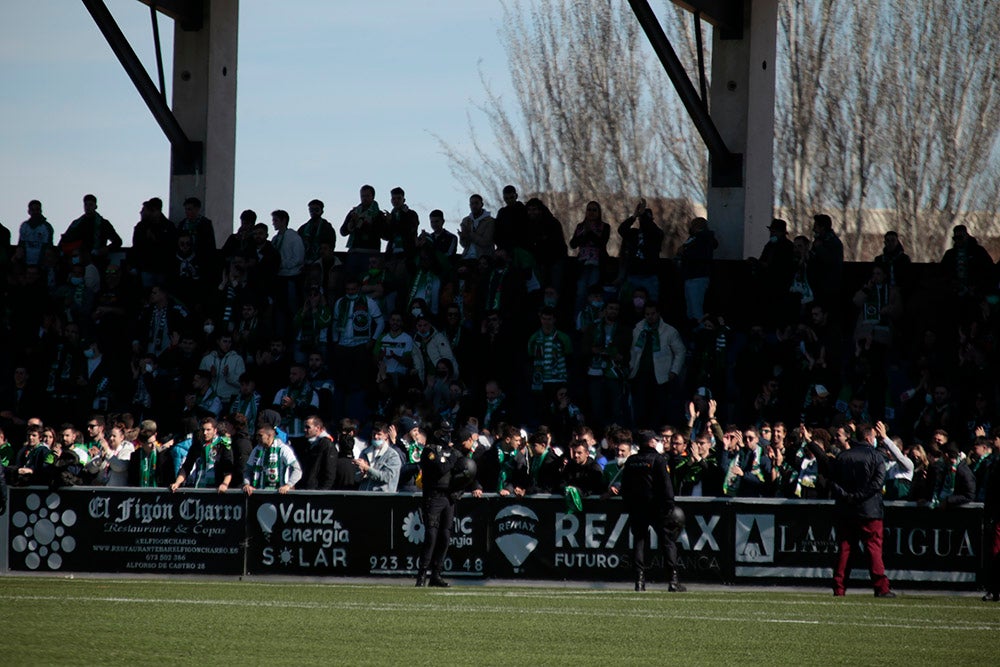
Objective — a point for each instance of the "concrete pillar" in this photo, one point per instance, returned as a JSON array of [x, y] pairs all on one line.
[[741, 102], [204, 102]]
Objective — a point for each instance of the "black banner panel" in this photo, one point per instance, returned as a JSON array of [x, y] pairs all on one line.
[[110, 530], [330, 534], [540, 539], [784, 540], [324, 534]]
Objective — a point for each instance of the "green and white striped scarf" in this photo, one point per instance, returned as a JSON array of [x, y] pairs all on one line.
[[266, 467]]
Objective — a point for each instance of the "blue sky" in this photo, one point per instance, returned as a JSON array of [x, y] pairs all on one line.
[[331, 95]]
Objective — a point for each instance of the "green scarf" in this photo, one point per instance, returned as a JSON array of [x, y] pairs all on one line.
[[206, 476], [420, 284], [648, 335], [506, 460], [457, 338], [491, 405], [536, 464], [574, 502], [494, 290], [947, 488], [345, 311], [266, 473], [731, 486], [413, 451], [147, 469], [246, 407]]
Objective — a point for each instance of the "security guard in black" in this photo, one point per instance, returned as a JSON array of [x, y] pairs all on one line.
[[649, 498], [436, 463]]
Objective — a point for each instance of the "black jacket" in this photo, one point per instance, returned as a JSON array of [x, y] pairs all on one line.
[[535, 477], [646, 485], [163, 473], [589, 477], [436, 463], [319, 465], [856, 479], [488, 469], [965, 486], [223, 464]]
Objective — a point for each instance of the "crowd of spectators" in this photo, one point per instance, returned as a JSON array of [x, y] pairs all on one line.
[[275, 361]]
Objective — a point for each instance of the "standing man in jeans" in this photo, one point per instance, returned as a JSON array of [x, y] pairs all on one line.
[[288, 282], [856, 477]]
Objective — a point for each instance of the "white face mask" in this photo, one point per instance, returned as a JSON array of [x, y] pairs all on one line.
[[209, 328], [148, 368], [659, 446], [621, 460], [379, 444]]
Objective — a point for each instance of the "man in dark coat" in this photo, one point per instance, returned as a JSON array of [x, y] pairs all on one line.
[[542, 474], [319, 461], [500, 466], [856, 478], [147, 467], [775, 271], [826, 261], [649, 498], [956, 484], [581, 471]]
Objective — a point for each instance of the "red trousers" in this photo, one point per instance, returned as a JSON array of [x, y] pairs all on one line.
[[869, 533], [991, 540]]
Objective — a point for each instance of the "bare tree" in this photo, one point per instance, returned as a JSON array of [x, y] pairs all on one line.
[[854, 120], [889, 105], [886, 104], [594, 116], [943, 93], [808, 56]]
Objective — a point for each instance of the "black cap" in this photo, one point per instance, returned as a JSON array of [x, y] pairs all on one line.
[[465, 433]]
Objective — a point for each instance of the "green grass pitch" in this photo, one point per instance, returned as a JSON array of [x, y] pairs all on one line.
[[61, 621]]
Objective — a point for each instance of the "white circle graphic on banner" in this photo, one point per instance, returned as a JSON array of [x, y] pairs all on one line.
[[42, 532]]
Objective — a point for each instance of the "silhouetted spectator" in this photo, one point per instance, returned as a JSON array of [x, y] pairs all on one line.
[[695, 257], [35, 235], [640, 251], [364, 227], [201, 230], [316, 230], [153, 237], [477, 231], [590, 239], [826, 261], [91, 233]]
